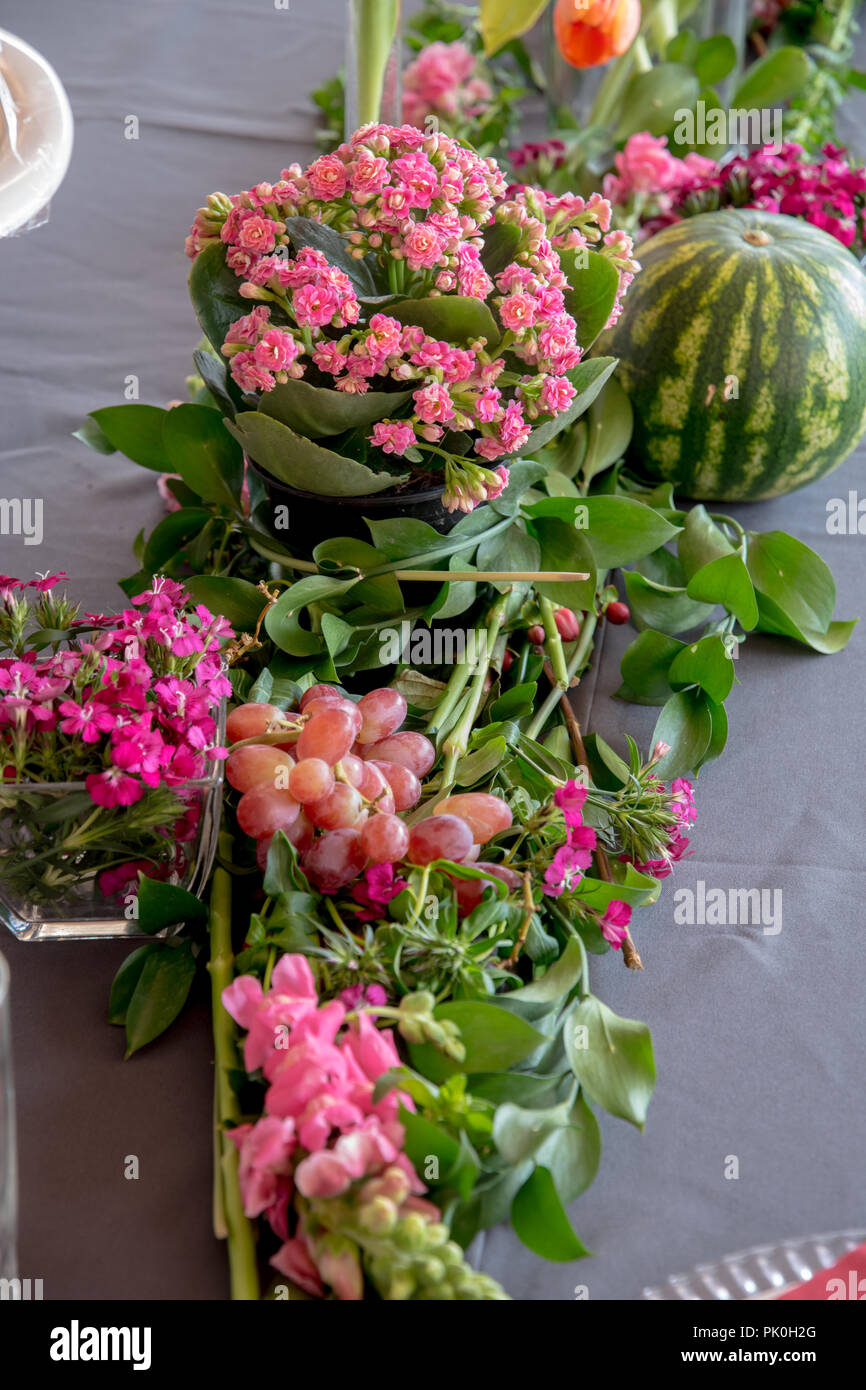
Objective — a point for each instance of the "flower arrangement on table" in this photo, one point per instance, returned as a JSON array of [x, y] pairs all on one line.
[[108, 725], [421, 869], [405, 313]]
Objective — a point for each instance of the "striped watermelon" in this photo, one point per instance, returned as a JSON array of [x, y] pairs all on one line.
[[742, 346]]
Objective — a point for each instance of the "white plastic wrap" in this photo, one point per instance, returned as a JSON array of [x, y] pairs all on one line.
[[35, 136]]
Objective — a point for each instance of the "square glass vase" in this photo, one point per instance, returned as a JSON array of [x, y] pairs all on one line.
[[69, 869]]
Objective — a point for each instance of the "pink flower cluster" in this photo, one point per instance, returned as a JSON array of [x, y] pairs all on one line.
[[446, 81], [321, 1134], [130, 707], [566, 869], [827, 191], [646, 166], [682, 805]]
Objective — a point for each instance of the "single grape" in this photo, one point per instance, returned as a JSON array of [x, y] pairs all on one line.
[[257, 765], [484, 813], [374, 788], [264, 810], [334, 860], [407, 748], [250, 721], [352, 768], [319, 692], [439, 837], [383, 712], [340, 808], [402, 781], [328, 736], [347, 706], [384, 838], [300, 834], [310, 780]]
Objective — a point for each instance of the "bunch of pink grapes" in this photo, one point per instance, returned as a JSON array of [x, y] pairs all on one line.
[[338, 782]]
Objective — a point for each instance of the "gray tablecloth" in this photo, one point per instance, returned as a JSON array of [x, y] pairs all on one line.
[[758, 1037]]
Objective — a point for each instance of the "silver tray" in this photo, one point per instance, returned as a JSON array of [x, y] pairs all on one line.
[[761, 1273]]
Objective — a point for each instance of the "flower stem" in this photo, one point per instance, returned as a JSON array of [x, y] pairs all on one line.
[[554, 645], [227, 1201], [579, 658], [456, 743]]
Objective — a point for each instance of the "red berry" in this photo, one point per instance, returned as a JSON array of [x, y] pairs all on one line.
[[617, 612], [507, 660], [566, 624], [536, 635]]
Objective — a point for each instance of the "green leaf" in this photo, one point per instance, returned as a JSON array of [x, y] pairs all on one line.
[[213, 372], [292, 459], [398, 538], [199, 447], [609, 423], [572, 1154], [519, 1133], [618, 529], [593, 283], [512, 549], [775, 78], [682, 48], [472, 767], [523, 474], [424, 1140], [236, 599], [714, 59], [305, 231], [494, 1040], [700, 541], [159, 996], [317, 411], [164, 904], [136, 430], [606, 768], [660, 606], [652, 99], [501, 240], [588, 378], [283, 874], [564, 548], [171, 535], [454, 318], [215, 293], [556, 982], [90, 434], [718, 734], [646, 664], [126, 980], [772, 618], [612, 1058], [794, 577], [539, 1219], [727, 581], [504, 20], [685, 724], [705, 663]]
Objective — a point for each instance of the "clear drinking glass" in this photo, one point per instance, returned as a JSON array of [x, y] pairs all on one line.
[[8, 1165]]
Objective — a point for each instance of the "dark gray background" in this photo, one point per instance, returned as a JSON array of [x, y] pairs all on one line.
[[759, 1039]]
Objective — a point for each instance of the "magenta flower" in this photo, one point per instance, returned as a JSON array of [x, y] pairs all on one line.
[[570, 800], [614, 923], [376, 889], [113, 788], [89, 720], [566, 869]]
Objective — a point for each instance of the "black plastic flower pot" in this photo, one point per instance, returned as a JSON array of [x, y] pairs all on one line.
[[313, 518]]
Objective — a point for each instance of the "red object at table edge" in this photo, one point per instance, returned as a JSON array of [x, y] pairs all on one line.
[[846, 1279]]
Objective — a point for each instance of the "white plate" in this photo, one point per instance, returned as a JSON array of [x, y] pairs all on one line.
[[35, 135], [761, 1273]]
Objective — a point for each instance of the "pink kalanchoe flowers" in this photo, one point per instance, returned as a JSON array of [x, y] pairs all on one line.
[[412, 205]]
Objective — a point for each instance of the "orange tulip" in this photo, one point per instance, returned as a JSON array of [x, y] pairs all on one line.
[[591, 32]]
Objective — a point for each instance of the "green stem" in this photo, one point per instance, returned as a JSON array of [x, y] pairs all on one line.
[[456, 743], [375, 31], [576, 664], [457, 683], [554, 643], [241, 1238]]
